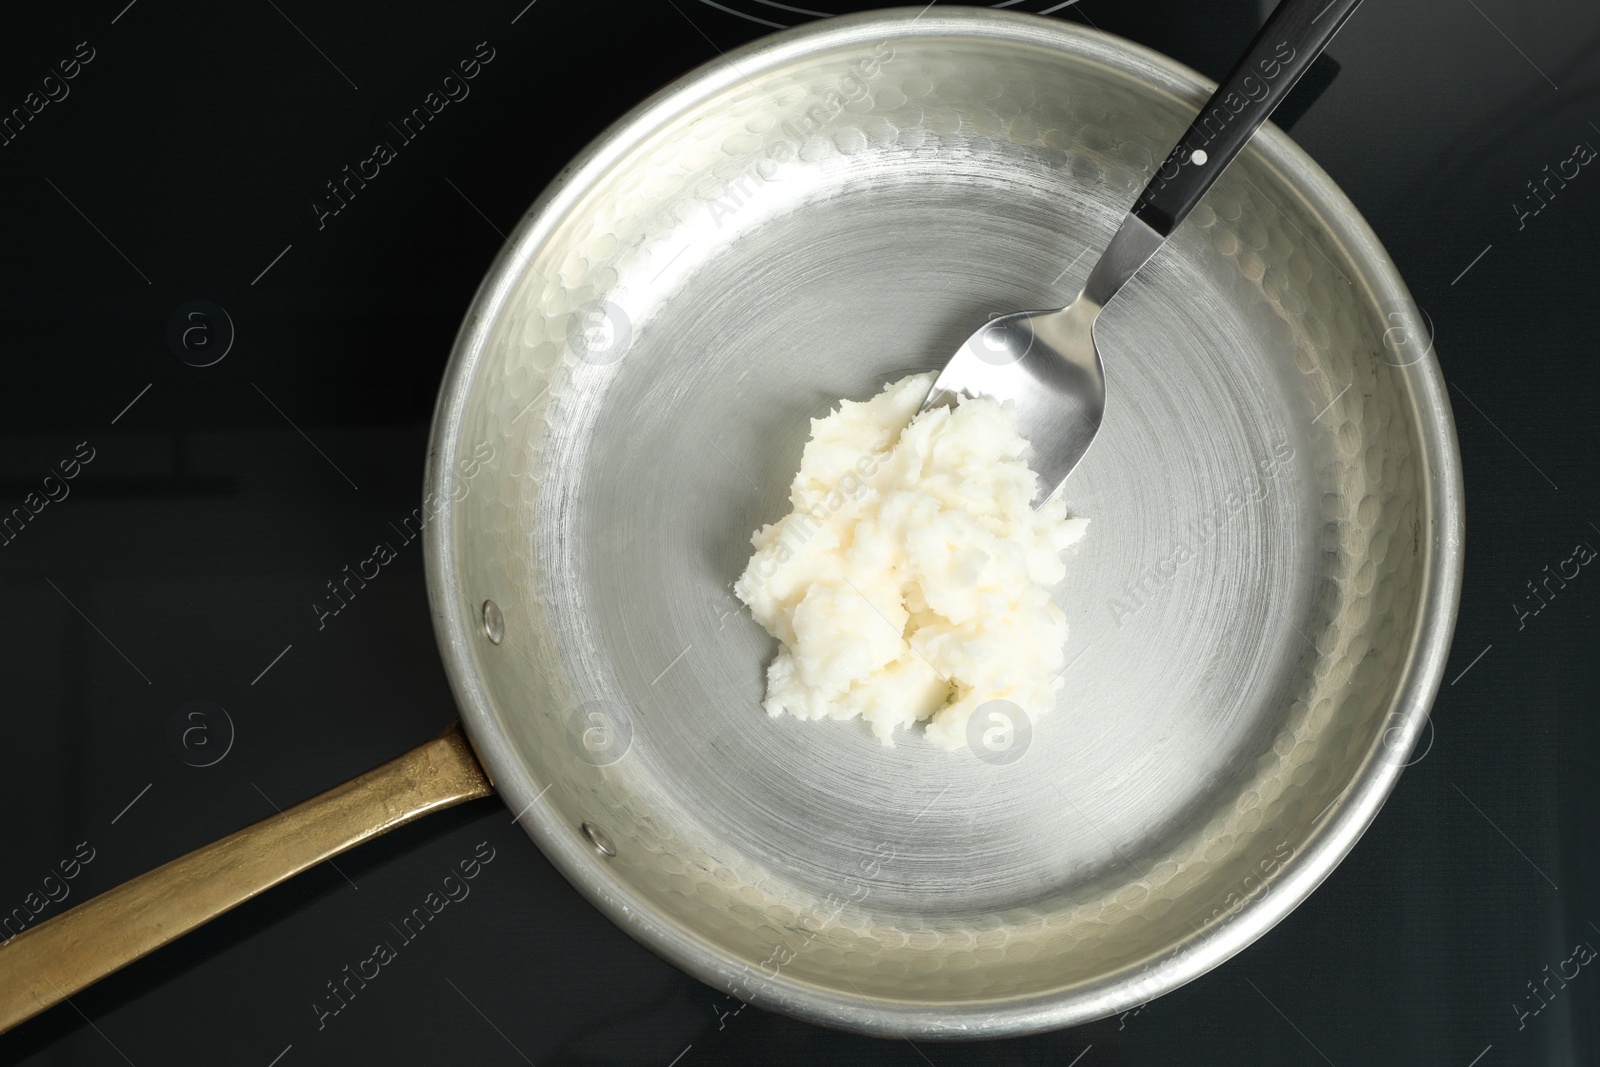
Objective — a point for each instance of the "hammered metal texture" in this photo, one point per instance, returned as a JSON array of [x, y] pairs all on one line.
[[1247, 610]]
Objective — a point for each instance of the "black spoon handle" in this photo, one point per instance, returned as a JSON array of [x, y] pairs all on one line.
[[1294, 35]]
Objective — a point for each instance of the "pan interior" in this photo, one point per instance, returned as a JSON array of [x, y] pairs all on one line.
[[834, 218]]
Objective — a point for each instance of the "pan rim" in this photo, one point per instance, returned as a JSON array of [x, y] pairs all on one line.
[[1441, 508]]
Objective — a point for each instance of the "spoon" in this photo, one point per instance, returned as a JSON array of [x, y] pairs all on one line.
[[1046, 362]]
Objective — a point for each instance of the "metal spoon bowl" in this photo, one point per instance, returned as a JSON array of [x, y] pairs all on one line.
[[1046, 363]]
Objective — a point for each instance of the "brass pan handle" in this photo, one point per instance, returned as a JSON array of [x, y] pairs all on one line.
[[64, 954]]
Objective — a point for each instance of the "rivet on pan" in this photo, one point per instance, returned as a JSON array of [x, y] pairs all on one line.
[[597, 837], [494, 623]]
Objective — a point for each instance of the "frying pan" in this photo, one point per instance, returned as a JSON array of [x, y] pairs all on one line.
[[1260, 613]]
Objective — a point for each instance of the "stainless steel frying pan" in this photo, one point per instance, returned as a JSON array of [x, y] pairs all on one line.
[[1260, 614]]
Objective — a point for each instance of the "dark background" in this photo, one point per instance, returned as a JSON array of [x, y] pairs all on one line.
[[184, 163]]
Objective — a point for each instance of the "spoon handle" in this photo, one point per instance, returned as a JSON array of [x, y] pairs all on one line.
[[1294, 36]]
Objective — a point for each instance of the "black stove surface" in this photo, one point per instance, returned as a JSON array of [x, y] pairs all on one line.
[[171, 158]]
